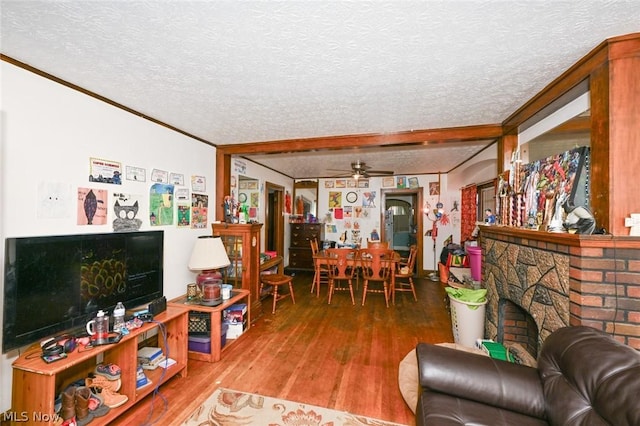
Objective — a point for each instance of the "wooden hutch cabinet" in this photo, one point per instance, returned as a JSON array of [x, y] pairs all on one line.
[[300, 256], [243, 248]]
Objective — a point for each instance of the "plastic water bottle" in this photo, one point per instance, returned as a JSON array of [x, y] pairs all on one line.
[[118, 318]]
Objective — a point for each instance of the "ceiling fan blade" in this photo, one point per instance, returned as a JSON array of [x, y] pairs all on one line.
[[380, 172]]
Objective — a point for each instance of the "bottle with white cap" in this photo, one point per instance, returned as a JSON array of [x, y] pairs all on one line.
[[118, 317]]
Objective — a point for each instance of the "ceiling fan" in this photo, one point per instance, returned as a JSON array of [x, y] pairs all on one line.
[[359, 169]]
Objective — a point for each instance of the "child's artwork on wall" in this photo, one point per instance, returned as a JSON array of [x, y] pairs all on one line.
[[55, 200], [184, 215], [125, 208], [92, 206], [199, 211], [161, 204]]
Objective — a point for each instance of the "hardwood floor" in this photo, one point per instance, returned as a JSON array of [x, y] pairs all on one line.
[[337, 356]]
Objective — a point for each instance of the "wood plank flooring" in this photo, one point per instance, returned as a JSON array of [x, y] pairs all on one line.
[[338, 356]]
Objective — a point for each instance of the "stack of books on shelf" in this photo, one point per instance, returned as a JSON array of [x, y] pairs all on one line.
[[150, 357], [141, 379], [235, 316]]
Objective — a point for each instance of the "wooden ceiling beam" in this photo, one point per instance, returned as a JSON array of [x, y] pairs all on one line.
[[413, 137]]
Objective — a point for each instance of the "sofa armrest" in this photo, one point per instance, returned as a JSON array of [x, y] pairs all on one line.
[[479, 378]]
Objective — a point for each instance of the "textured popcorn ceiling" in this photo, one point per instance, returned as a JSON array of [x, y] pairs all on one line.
[[244, 71]]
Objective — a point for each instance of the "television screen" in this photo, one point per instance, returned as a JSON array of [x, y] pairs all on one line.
[[55, 284]]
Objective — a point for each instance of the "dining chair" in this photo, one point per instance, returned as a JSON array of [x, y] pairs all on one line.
[[339, 270], [377, 244], [404, 275], [320, 275], [376, 265]]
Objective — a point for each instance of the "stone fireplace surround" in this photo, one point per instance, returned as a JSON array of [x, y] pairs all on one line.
[[559, 280]]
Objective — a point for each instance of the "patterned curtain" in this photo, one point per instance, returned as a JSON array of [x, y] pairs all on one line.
[[468, 214]]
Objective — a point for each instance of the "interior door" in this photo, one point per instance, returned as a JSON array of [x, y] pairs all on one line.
[[274, 218], [402, 219]]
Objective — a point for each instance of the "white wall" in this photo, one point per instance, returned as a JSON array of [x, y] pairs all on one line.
[[48, 134], [241, 166]]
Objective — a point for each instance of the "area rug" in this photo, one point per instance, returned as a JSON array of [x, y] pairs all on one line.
[[226, 407]]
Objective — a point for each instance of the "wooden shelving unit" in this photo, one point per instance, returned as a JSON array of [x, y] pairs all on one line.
[[215, 321], [36, 383]]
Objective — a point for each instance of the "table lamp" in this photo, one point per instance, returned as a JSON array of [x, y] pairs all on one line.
[[208, 255]]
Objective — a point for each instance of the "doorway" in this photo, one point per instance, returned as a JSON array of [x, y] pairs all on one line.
[[274, 218], [402, 221]]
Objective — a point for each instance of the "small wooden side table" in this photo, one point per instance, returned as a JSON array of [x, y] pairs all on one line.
[[215, 321]]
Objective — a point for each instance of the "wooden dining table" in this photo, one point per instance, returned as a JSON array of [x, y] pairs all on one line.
[[322, 258]]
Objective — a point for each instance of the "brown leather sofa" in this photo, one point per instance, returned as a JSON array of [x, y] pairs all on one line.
[[584, 377]]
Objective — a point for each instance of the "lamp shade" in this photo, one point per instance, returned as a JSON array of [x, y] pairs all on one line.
[[208, 253]]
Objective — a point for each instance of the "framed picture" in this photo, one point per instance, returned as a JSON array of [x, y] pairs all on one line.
[[413, 182], [388, 182], [363, 183], [434, 188], [401, 182], [328, 184]]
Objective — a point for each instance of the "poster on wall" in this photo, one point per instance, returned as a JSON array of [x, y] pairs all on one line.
[[161, 204], [105, 171], [369, 199], [92, 206], [184, 215], [199, 211], [125, 208], [335, 199]]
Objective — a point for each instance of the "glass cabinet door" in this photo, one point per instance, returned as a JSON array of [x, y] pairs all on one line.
[[233, 273]]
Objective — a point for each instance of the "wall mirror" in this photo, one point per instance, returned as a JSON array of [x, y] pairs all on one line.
[[249, 194], [305, 198]]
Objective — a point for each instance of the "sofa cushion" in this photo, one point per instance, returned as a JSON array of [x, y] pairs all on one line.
[[439, 409], [408, 373], [482, 379], [589, 378]]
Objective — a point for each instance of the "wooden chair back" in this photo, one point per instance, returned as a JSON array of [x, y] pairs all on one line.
[[409, 264], [376, 263], [314, 246], [338, 262], [378, 244]]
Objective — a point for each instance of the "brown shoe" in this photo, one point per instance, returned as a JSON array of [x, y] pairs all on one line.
[[83, 416], [112, 399], [68, 410], [103, 383]]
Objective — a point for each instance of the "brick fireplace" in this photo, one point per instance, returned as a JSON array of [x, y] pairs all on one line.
[[538, 282]]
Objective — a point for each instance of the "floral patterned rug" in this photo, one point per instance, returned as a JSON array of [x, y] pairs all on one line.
[[226, 407]]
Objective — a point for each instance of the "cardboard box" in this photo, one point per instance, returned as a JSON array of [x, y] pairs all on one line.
[[235, 313], [235, 330]]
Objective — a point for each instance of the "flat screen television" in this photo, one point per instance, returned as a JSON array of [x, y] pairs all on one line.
[[55, 284]]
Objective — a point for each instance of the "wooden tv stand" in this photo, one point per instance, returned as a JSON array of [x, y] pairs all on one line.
[[36, 383]]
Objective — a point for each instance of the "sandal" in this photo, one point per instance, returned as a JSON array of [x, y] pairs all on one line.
[[110, 371]]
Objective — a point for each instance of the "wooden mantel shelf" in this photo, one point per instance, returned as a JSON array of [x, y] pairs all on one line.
[[563, 238]]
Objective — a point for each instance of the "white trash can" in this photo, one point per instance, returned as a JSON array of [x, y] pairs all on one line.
[[467, 321]]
